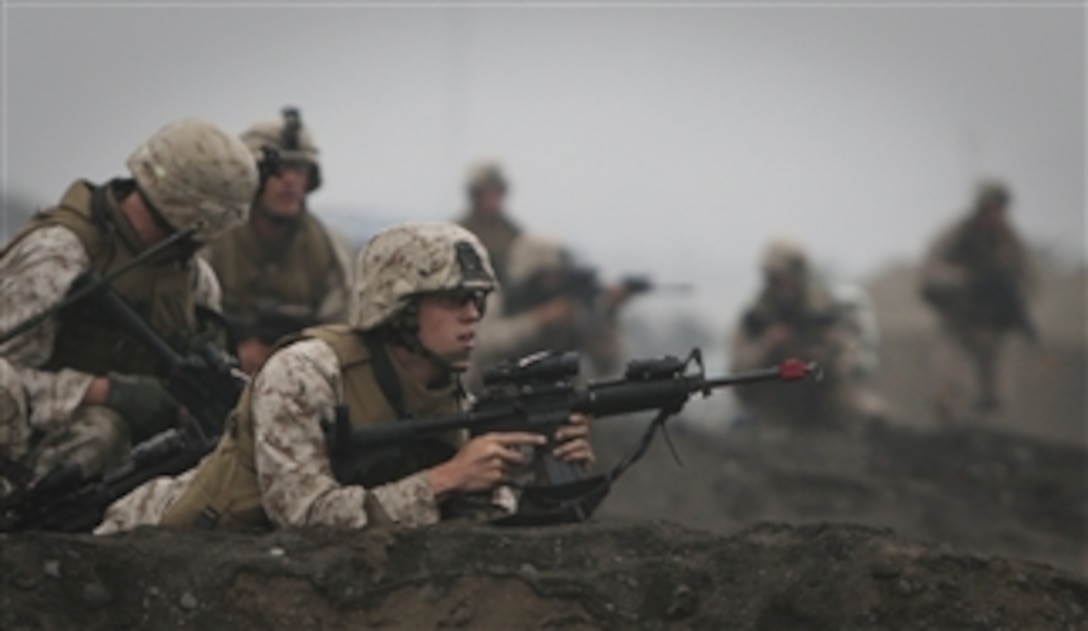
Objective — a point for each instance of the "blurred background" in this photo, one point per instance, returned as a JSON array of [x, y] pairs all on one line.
[[668, 140]]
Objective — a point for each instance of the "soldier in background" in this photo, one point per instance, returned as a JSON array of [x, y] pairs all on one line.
[[550, 304], [77, 388], [797, 315], [976, 277], [547, 303], [486, 217], [283, 270]]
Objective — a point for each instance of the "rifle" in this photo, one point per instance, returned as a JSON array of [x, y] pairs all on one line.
[[269, 321], [538, 394], [206, 383], [580, 283]]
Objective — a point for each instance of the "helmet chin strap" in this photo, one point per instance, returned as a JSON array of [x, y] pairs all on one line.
[[406, 333]]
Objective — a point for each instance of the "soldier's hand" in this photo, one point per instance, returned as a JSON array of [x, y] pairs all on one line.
[[618, 295], [252, 354], [144, 403], [575, 445], [555, 311], [482, 463]]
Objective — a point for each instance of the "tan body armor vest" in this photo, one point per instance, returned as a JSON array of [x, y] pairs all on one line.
[[89, 340], [225, 492], [294, 273]]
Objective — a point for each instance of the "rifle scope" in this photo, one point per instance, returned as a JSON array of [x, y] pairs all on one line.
[[542, 367]]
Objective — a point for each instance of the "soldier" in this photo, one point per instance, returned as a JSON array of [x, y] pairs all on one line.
[[486, 217], [419, 292], [976, 277], [524, 263], [76, 388], [549, 303], [282, 270], [795, 315]]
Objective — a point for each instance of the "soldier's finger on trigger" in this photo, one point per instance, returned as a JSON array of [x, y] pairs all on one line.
[[515, 439], [511, 456]]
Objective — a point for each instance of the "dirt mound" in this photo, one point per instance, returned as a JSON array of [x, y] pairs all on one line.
[[610, 575], [980, 489]]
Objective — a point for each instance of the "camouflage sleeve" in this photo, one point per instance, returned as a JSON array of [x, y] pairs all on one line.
[[294, 391], [334, 307], [837, 351], [207, 291], [146, 504], [35, 274]]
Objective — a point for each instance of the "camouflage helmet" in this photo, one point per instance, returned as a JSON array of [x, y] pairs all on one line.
[[784, 256], [992, 192], [192, 171], [487, 173], [410, 259], [531, 254], [290, 139]]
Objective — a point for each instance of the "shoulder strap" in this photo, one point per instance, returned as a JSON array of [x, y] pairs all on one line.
[[385, 375]]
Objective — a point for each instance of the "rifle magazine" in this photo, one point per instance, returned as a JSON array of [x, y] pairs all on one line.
[[572, 502]]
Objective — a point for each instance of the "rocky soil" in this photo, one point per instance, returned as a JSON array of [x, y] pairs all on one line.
[[589, 576], [980, 489]]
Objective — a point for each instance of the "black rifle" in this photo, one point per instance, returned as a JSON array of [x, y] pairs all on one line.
[[579, 283], [269, 321], [207, 383], [538, 394]]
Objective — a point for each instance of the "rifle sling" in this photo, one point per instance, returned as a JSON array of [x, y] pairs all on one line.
[[385, 374]]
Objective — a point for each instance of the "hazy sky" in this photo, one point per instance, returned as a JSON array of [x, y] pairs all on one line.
[[654, 138]]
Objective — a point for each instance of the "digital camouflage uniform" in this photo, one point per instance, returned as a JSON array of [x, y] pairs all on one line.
[[272, 466], [978, 281], [504, 334], [818, 330], [191, 172], [304, 278]]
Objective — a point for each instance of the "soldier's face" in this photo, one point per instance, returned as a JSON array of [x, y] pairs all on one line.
[[447, 325], [489, 200], [786, 288], [285, 192], [994, 215]]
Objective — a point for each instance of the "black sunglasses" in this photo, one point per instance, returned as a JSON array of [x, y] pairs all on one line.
[[460, 298]]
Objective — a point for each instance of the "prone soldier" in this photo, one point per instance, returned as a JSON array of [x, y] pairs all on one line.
[[419, 293]]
